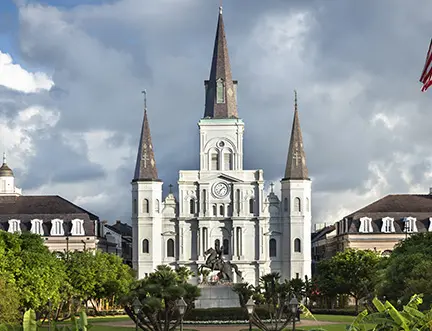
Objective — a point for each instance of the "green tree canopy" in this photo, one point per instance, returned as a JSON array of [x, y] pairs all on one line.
[[353, 272], [409, 270]]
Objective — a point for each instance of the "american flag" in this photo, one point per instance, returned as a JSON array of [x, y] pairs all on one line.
[[426, 76]]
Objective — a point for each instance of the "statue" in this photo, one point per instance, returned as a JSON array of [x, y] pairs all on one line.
[[215, 261]]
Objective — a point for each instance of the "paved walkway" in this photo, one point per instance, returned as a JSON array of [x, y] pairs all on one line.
[[237, 327]]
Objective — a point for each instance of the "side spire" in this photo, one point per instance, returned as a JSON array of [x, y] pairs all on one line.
[[145, 169], [296, 162], [221, 100]]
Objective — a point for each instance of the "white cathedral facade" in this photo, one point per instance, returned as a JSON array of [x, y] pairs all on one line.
[[221, 204]]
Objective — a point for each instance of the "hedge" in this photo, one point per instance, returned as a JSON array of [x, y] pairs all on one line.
[[324, 311]]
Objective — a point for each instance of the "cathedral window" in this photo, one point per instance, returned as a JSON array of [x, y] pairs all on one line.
[[273, 249], [145, 246], [228, 161], [297, 245], [220, 91], [57, 228], [251, 206], [286, 204], [205, 239], [204, 201], [77, 227], [14, 226], [297, 204], [238, 241], [214, 161], [238, 201], [157, 206], [192, 206], [134, 206], [225, 246], [146, 206], [217, 244], [37, 227], [221, 210], [229, 210], [170, 248], [214, 210], [307, 204]]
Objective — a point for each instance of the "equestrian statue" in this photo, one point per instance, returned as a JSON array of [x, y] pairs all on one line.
[[215, 262]]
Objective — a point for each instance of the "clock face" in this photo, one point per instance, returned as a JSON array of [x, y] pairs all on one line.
[[220, 189]]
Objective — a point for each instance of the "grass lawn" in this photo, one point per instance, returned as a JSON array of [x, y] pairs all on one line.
[[328, 327], [331, 318]]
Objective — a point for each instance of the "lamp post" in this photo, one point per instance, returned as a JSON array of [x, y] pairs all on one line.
[[294, 307], [181, 305], [136, 306], [250, 306]]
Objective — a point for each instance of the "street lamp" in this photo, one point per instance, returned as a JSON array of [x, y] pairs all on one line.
[[181, 305], [136, 306], [250, 306], [294, 307]]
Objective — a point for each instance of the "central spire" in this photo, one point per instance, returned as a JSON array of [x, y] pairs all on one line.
[[221, 101], [145, 169], [296, 163]]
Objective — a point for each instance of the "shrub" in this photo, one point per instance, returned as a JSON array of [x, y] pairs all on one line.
[[224, 314]]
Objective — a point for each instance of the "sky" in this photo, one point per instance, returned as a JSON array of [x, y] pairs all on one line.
[[72, 72]]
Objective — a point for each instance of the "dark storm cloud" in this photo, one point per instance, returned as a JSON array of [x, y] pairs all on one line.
[[350, 62]]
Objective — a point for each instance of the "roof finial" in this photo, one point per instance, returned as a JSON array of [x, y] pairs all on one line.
[[170, 188], [295, 100], [220, 7], [145, 99], [4, 157], [271, 185]]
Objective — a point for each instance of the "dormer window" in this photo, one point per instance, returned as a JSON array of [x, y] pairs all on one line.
[[37, 227], [220, 91], [410, 224], [77, 227], [14, 226], [387, 225], [57, 228], [365, 225]]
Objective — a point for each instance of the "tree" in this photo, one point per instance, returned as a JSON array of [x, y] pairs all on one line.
[[158, 294], [273, 294], [408, 270], [28, 265], [353, 272]]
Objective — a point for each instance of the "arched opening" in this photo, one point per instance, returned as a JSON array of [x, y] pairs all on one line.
[[170, 248], [214, 210], [217, 244], [307, 205], [145, 246], [228, 164], [214, 164], [273, 250], [297, 245], [221, 210], [134, 206], [286, 204], [192, 206], [146, 206], [225, 246], [251, 206], [297, 204], [220, 91], [157, 206]]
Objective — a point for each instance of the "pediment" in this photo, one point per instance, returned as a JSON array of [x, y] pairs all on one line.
[[168, 233], [212, 177], [273, 233]]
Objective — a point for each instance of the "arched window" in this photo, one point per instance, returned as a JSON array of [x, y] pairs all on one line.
[[214, 210], [286, 204], [221, 210], [307, 204], [157, 207], [251, 206], [228, 161], [57, 227], [192, 206], [170, 248], [220, 91], [14, 226], [297, 245], [77, 227], [297, 204], [214, 161], [145, 246], [36, 227], [273, 249], [146, 206], [225, 246], [217, 244]]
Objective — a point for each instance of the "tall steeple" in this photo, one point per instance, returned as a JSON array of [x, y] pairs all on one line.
[[296, 162], [221, 100], [145, 169]]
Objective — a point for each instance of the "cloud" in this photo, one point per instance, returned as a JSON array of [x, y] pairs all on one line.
[[365, 123], [13, 76]]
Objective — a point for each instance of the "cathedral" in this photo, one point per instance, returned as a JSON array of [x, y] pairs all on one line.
[[222, 205]]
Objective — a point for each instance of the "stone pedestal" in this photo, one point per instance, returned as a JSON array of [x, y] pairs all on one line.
[[217, 296]]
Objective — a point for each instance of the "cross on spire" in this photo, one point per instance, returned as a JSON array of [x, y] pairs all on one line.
[[4, 157], [297, 157], [271, 187], [144, 92], [170, 188]]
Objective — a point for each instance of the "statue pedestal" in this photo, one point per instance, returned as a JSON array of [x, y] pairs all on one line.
[[217, 296]]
